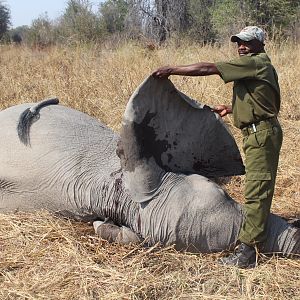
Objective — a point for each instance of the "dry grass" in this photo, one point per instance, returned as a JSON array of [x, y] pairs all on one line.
[[42, 257]]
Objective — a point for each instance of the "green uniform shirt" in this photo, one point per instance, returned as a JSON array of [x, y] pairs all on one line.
[[256, 93]]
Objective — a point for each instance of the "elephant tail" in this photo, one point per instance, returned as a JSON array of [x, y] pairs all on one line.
[[29, 116]]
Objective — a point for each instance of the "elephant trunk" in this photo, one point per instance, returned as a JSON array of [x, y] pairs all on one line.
[[141, 173]]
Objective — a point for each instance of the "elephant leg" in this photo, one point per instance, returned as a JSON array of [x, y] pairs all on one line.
[[115, 234]]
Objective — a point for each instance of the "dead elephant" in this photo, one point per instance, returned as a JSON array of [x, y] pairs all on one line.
[[157, 187]]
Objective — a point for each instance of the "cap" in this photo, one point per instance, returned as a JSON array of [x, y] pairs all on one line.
[[249, 33]]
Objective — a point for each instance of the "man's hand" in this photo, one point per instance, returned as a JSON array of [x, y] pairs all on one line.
[[163, 72], [222, 110]]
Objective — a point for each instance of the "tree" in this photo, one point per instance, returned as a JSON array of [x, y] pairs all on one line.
[[229, 16], [41, 32], [200, 26], [19, 34], [162, 19], [274, 14], [79, 22], [158, 20], [114, 13], [16, 38], [4, 20]]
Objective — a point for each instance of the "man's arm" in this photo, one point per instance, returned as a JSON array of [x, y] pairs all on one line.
[[197, 69]]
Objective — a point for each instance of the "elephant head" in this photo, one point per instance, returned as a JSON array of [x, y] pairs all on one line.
[[166, 131]]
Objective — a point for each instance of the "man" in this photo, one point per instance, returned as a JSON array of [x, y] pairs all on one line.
[[255, 106]]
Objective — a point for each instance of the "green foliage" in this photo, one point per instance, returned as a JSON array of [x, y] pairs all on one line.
[[41, 32], [274, 12], [200, 13], [4, 21], [158, 20], [113, 13], [16, 38], [19, 34], [228, 17], [80, 23]]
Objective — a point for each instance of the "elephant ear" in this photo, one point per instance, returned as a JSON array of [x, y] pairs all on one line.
[[162, 124]]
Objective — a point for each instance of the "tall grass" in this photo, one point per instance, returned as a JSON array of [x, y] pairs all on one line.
[[42, 257]]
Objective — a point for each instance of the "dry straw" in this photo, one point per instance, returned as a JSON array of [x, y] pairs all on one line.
[[44, 257]]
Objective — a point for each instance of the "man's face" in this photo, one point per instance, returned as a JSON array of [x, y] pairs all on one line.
[[245, 48]]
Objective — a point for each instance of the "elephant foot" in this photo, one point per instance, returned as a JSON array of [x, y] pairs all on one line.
[[114, 233]]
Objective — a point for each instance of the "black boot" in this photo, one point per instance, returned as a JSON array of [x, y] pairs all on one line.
[[244, 257]]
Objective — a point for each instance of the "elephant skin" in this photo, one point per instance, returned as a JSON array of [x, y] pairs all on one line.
[[154, 182]]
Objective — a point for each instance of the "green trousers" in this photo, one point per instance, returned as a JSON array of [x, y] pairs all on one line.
[[261, 146]]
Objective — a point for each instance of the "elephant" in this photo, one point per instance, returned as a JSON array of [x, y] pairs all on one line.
[[154, 182]]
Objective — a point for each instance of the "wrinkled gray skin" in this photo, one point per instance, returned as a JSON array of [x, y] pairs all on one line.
[[154, 191]]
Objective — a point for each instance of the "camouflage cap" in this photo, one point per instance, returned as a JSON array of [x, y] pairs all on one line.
[[249, 33]]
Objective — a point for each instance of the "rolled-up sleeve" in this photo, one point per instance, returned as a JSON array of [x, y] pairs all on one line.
[[241, 68]]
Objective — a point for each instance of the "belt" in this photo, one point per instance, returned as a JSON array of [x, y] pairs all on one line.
[[258, 126]]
